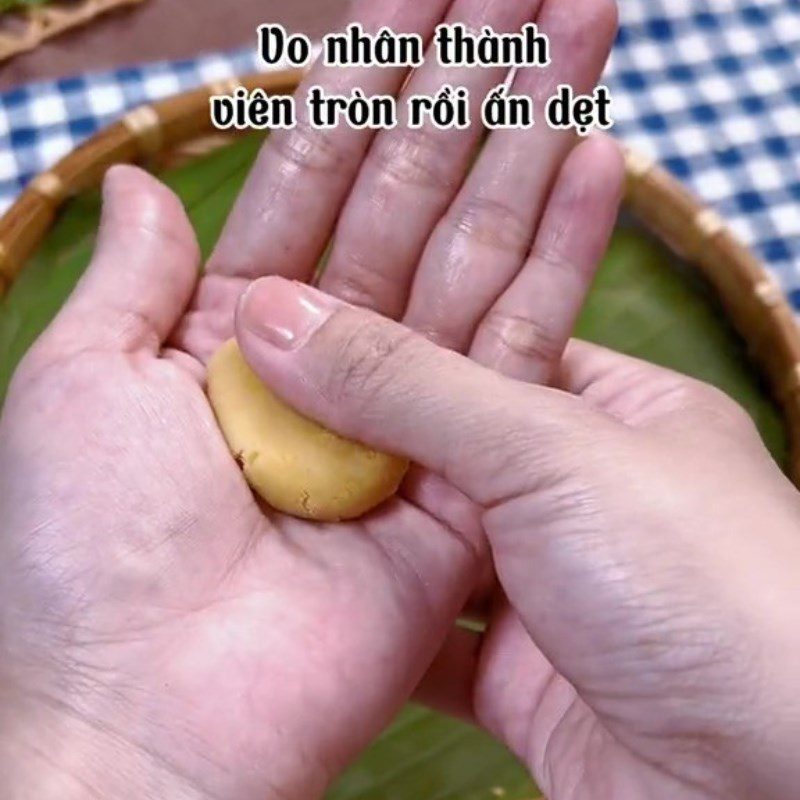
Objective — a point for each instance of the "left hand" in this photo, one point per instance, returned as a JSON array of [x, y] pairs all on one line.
[[161, 635]]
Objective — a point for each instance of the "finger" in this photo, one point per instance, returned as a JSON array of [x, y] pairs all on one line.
[[373, 380], [499, 680], [285, 214], [186, 362], [452, 508], [208, 322], [591, 370], [450, 681], [524, 333], [639, 393], [141, 276], [439, 499], [482, 241], [517, 696], [412, 175]]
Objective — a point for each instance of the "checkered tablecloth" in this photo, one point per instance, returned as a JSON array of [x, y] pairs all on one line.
[[711, 88]]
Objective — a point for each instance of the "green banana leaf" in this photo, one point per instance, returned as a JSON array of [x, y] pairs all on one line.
[[19, 5], [644, 302]]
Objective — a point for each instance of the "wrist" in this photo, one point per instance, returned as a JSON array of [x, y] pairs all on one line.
[[65, 734], [50, 753]]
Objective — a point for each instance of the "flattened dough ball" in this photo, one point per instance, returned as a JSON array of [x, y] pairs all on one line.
[[292, 462]]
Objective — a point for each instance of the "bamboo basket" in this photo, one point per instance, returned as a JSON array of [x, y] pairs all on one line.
[[31, 26], [179, 129]]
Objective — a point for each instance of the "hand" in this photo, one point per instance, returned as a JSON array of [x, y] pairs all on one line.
[[646, 642], [161, 635]]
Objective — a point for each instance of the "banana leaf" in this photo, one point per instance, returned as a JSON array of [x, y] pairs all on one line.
[[19, 5], [644, 302]]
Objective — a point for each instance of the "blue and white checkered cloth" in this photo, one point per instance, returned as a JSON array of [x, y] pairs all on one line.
[[711, 88]]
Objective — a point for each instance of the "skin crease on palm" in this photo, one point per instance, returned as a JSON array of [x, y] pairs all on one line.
[[164, 636]]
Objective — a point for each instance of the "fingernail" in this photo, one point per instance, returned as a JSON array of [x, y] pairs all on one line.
[[284, 313]]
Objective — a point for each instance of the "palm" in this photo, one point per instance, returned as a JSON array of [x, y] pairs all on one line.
[[205, 589], [348, 588], [538, 713]]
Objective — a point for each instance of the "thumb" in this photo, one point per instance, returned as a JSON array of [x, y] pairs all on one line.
[[141, 276], [377, 382]]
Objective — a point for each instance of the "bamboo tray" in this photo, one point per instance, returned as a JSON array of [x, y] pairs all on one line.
[[30, 26], [179, 128]]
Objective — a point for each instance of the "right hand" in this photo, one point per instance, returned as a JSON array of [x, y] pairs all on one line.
[[646, 642]]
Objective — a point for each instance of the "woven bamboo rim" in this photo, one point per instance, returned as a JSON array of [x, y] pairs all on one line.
[[39, 23], [181, 125]]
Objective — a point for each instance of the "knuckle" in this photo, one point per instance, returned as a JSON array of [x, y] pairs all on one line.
[[723, 406], [553, 261], [364, 364], [523, 336], [443, 332], [415, 158], [493, 223], [708, 395], [696, 394], [359, 282], [712, 405], [135, 326], [309, 149]]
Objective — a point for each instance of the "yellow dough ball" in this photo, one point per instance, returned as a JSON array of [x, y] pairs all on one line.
[[292, 462]]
